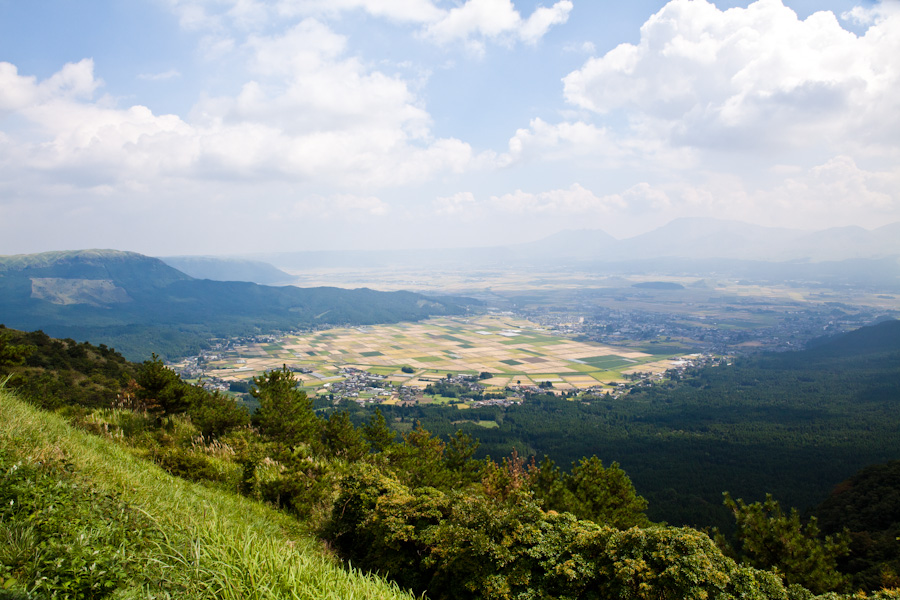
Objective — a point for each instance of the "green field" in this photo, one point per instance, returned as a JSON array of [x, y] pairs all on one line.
[[511, 349]]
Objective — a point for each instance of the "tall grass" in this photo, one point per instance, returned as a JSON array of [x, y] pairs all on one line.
[[213, 544]]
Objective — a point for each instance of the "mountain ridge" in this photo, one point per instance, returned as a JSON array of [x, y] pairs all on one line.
[[687, 239], [135, 302]]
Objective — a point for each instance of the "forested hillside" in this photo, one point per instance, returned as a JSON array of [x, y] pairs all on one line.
[[416, 508], [140, 305]]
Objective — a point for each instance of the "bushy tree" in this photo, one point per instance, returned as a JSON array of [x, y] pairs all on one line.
[[459, 456], [509, 481], [549, 486], [591, 491], [160, 389], [11, 353], [378, 434], [215, 413], [341, 439], [771, 539], [285, 413], [465, 545], [605, 495], [419, 460]]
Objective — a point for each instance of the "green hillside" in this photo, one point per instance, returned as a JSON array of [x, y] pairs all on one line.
[[137, 304], [104, 523]]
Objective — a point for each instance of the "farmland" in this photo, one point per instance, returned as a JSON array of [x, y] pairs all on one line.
[[514, 351]]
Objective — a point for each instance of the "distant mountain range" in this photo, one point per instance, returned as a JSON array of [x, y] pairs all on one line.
[[705, 238], [135, 302], [843, 256], [682, 239]]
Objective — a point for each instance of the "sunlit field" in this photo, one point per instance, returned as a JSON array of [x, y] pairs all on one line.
[[512, 350]]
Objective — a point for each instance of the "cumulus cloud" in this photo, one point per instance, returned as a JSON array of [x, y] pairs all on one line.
[[310, 114], [457, 204], [562, 203], [756, 77], [338, 206], [572, 201], [73, 81], [542, 19], [304, 84], [479, 20], [840, 186], [170, 74], [830, 194], [473, 22], [416, 11], [79, 139], [560, 141], [867, 15]]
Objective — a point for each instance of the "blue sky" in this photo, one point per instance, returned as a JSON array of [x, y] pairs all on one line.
[[235, 126]]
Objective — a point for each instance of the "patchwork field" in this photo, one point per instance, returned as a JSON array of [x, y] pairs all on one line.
[[514, 351]]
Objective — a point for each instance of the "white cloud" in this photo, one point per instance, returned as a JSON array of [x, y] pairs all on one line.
[[581, 48], [831, 194], [81, 139], [196, 15], [862, 15], [840, 187], [644, 198], [416, 11], [572, 201], [338, 206], [544, 141], [73, 81], [472, 22], [542, 19], [478, 20], [306, 85], [835, 193], [756, 78], [556, 205], [457, 204], [170, 74], [310, 115], [15, 92]]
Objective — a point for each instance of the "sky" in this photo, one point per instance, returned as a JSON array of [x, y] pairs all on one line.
[[226, 127]]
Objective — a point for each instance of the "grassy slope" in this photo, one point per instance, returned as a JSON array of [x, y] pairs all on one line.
[[219, 545]]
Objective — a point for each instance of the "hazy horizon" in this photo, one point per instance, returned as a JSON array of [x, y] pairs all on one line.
[[233, 127]]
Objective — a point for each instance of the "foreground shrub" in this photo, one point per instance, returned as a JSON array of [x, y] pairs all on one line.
[[458, 545]]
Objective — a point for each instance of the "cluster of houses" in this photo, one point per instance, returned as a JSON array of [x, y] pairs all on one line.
[[365, 387]]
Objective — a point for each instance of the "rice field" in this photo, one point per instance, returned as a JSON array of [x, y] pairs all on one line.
[[513, 350]]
